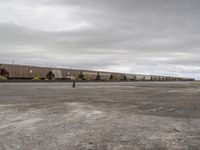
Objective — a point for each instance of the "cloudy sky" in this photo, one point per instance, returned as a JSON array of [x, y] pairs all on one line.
[[134, 36]]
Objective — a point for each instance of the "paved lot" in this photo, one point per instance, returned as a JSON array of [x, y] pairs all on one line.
[[103, 116]]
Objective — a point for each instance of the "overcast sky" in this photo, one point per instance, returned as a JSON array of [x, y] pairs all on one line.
[[134, 36]]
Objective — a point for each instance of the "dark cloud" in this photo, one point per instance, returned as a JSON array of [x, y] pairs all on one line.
[[146, 36]]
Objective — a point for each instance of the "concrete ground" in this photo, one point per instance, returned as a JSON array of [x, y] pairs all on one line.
[[100, 116]]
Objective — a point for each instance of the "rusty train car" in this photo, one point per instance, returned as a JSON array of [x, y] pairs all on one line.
[[11, 71]]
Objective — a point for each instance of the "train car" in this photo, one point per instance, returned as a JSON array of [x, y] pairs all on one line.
[[147, 78], [157, 78], [118, 77], [88, 75], [153, 78], [140, 78], [24, 72], [131, 77], [30, 72], [105, 76], [162, 78], [68, 74]]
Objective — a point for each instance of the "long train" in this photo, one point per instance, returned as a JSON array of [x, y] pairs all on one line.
[[11, 71]]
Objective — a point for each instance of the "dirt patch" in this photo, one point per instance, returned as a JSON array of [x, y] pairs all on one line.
[[100, 116]]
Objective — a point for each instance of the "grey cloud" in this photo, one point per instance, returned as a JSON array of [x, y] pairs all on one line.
[[146, 36]]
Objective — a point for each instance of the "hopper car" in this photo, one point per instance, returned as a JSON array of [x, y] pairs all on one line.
[[11, 71]]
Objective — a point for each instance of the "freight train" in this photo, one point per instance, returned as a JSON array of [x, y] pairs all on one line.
[[11, 71]]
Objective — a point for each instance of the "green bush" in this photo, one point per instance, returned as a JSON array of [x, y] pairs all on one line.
[[3, 78], [36, 78]]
